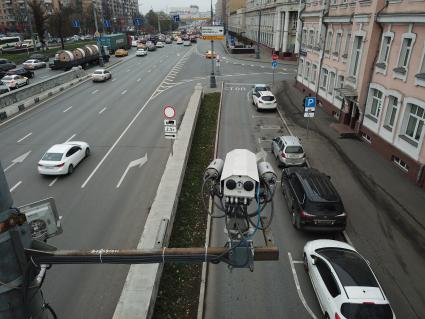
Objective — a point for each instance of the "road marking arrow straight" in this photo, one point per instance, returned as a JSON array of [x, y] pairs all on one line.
[[17, 160], [139, 162]]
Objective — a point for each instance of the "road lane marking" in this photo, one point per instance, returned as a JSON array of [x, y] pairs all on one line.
[[123, 92], [113, 80], [72, 136], [128, 70], [16, 186], [252, 65], [149, 71], [67, 109], [297, 284], [139, 79], [43, 76], [102, 110], [23, 138], [262, 66], [139, 162], [17, 160], [270, 127], [344, 233], [53, 182], [95, 91]]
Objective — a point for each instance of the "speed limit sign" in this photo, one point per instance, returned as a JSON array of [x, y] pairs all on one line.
[[169, 112]]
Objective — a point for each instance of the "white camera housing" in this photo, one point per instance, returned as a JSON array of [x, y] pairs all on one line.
[[239, 177], [215, 169]]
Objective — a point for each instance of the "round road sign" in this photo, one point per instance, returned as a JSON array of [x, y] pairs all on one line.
[[274, 57], [169, 112]]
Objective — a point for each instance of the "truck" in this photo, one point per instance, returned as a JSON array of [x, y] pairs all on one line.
[[84, 56], [115, 41]]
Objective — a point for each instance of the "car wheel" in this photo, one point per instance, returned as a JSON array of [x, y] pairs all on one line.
[[295, 219], [70, 169], [305, 263], [87, 152]]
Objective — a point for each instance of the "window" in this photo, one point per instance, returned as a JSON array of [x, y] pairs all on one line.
[[317, 37], [415, 122], [385, 50], [313, 74], [327, 277], [307, 71], [311, 38], [328, 41], [331, 82], [337, 43], [406, 50], [300, 67], [391, 111], [347, 44], [339, 85], [304, 41], [355, 58], [324, 79], [375, 106]]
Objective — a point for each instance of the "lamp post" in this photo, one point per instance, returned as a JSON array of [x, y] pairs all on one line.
[[98, 35], [257, 53], [213, 83]]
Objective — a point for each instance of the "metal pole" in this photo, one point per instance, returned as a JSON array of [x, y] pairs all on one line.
[[257, 54], [273, 76], [30, 24], [213, 83], [20, 297], [159, 25], [98, 38]]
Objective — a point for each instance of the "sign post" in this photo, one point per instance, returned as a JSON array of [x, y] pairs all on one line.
[[274, 66], [170, 124], [309, 109]]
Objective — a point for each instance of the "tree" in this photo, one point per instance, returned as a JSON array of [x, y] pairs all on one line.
[[60, 23], [20, 17], [40, 18]]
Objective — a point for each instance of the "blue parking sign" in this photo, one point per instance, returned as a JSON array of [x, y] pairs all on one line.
[[274, 64], [310, 102]]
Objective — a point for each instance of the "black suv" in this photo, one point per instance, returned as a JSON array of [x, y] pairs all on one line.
[[21, 71], [313, 202]]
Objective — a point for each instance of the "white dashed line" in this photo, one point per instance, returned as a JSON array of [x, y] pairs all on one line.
[[66, 110], [28, 135], [72, 136], [149, 71], [252, 65], [16, 186], [53, 182], [297, 284], [139, 79], [95, 91], [113, 80], [128, 70], [123, 92], [102, 110]]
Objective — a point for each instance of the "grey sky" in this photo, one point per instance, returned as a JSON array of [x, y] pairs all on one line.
[[156, 5]]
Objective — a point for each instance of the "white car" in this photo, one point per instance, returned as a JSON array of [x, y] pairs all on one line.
[[101, 75], [187, 43], [159, 44], [134, 43], [264, 100], [179, 41], [141, 52], [62, 159], [260, 87], [345, 285], [15, 81], [34, 64]]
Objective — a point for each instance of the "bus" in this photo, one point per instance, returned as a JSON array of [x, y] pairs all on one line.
[[9, 42]]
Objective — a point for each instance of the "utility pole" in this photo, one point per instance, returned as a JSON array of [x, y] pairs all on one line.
[[159, 24], [257, 53], [20, 294], [29, 20], [98, 35], [213, 83]]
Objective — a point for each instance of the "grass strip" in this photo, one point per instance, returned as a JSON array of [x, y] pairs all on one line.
[[19, 58], [180, 283]]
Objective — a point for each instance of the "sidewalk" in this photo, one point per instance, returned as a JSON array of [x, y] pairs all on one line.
[[381, 172]]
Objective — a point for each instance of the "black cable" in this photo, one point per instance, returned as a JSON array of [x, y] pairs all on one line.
[[213, 200]]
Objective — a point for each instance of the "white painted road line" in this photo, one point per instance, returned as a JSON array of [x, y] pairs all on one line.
[[16, 186], [102, 110], [297, 284], [17, 160], [43, 76], [149, 71], [67, 109], [128, 70], [95, 91], [53, 182], [28, 135], [270, 127], [344, 233], [123, 92], [72, 136], [139, 162], [139, 79], [113, 80]]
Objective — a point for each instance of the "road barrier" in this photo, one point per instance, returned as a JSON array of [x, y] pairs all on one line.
[[141, 286]]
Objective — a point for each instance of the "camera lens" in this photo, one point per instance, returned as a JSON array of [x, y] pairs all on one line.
[[248, 186], [231, 184]]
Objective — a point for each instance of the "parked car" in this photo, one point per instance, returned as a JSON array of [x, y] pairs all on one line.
[[121, 53], [40, 57], [210, 54], [15, 81], [313, 202], [179, 41], [134, 43], [344, 283], [288, 151], [159, 44], [168, 41], [260, 87], [151, 47], [264, 100], [187, 43], [141, 52], [34, 64], [6, 65], [21, 71], [4, 88], [101, 75], [61, 159]]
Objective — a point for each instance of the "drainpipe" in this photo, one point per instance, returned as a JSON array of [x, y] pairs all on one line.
[[375, 59], [300, 12], [322, 55], [420, 176]]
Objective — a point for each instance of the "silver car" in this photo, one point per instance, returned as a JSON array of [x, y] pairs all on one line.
[[288, 151], [101, 75]]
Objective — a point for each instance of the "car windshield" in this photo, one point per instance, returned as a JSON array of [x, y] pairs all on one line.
[[262, 88], [8, 78], [294, 149], [366, 311], [268, 98], [351, 268], [52, 157], [98, 72]]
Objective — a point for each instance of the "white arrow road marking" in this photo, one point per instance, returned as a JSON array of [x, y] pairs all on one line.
[[149, 71], [17, 160], [113, 80], [66, 110], [28, 135], [139, 79], [95, 91], [16, 186], [139, 162], [70, 138], [53, 182], [102, 110], [123, 92]]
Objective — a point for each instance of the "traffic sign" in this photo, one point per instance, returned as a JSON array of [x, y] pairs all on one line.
[[170, 122], [170, 136], [169, 112], [275, 57], [274, 64], [138, 22], [75, 23], [212, 31], [309, 113], [176, 18], [170, 129], [213, 37], [310, 102], [107, 23]]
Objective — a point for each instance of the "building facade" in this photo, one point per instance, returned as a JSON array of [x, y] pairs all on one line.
[[364, 60]]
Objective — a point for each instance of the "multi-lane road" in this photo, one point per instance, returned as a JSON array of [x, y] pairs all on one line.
[[122, 121]]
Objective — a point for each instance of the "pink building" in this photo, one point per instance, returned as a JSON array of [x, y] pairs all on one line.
[[365, 62]]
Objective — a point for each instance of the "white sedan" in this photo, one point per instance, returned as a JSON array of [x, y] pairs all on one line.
[[264, 100], [15, 81], [159, 44], [101, 75], [141, 52], [61, 159], [34, 64], [345, 285]]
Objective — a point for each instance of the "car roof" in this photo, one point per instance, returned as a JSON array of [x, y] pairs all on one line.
[[260, 85], [100, 70], [291, 140], [59, 148], [29, 61]]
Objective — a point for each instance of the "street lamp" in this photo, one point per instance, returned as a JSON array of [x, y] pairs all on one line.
[[257, 53], [97, 35], [213, 83]]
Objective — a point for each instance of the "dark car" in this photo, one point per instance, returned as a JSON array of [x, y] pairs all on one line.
[[313, 202], [39, 56], [6, 65], [193, 39], [21, 71], [151, 47]]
